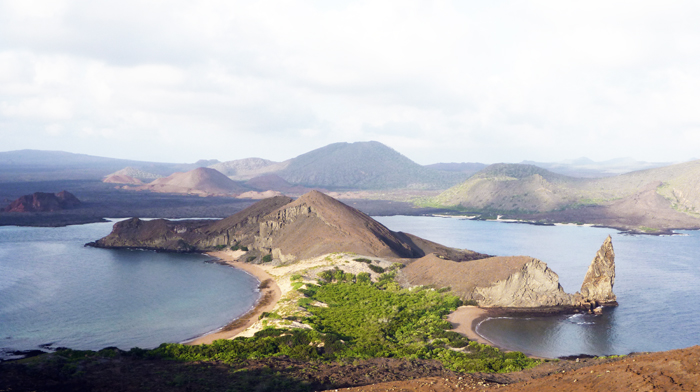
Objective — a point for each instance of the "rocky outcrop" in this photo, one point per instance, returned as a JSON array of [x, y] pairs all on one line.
[[313, 225], [191, 235], [509, 282], [516, 282], [43, 202], [597, 287], [534, 285]]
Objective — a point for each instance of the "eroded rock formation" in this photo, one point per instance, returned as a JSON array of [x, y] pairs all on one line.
[[533, 285], [43, 202], [313, 225], [597, 287], [508, 282], [517, 282]]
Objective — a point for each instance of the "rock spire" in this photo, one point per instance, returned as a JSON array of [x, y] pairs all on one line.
[[597, 287]]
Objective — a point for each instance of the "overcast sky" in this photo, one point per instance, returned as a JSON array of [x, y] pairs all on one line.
[[438, 81]]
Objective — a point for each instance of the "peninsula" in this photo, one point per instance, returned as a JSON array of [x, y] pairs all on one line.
[[305, 237]]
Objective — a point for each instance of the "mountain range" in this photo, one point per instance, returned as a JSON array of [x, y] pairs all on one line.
[[646, 200], [655, 199]]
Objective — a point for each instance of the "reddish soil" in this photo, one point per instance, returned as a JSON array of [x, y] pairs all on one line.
[[675, 370]]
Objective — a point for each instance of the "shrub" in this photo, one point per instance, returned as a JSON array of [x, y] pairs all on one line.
[[364, 277], [251, 258], [363, 260], [244, 248], [267, 258], [376, 268], [362, 321]]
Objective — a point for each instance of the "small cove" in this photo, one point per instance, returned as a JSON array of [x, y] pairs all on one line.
[[54, 292], [656, 284]]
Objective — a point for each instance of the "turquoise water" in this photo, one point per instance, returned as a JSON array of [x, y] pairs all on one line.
[[56, 292], [657, 284]]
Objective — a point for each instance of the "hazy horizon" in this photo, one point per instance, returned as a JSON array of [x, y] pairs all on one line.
[[570, 160], [436, 81]]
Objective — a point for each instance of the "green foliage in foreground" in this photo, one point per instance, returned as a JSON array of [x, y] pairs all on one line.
[[363, 320]]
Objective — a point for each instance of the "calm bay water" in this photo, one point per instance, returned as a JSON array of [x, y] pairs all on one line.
[[657, 284], [54, 291]]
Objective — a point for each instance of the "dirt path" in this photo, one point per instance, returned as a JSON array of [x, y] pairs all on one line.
[[270, 293]]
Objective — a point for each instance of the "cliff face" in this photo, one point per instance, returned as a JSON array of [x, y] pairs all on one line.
[[191, 235], [534, 285], [313, 225], [597, 287], [516, 282], [43, 202]]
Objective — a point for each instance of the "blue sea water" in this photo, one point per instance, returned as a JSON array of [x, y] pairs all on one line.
[[56, 292], [657, 284]]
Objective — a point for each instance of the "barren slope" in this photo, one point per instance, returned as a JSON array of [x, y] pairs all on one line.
[[313, 225], [675, 370], [245, 169], [201, 181], [122, 179]]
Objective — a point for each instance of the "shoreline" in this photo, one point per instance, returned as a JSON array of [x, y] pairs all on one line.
[[465, 319], [270, 293]]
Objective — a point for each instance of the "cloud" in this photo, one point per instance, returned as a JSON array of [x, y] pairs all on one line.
[[437, 81]]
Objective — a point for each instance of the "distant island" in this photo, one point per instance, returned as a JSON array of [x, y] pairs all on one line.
[[44, 202], [633, 196]]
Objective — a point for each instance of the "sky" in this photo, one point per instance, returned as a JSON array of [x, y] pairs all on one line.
[[438, 81]]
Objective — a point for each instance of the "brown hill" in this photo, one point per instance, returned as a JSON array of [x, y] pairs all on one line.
[[201, 181], [136, 173], [43, 202], [661, 198], [674, 370], [122, 179], [518, 281], [313, 225]]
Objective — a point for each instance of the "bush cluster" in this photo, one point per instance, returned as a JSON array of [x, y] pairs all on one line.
[[363, 320]]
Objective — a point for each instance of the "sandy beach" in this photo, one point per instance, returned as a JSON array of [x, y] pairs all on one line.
[[465, 319], [270, 293]]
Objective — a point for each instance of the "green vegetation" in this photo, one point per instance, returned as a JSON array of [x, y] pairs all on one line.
[[376, 268], [244, 248], [251, 258], [649, 229], [295, 277], [362, 320], [220, 247], [363, 260], [267, 258], [235, 246]]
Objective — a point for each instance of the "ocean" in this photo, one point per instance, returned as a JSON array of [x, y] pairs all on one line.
[[54, 292], [657, 284]]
